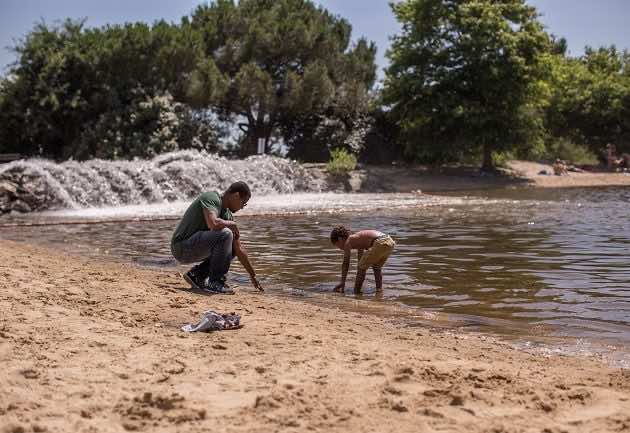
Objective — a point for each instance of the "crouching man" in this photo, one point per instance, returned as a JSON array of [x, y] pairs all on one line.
[[207, 233]]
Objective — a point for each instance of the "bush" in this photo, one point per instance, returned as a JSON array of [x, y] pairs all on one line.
[[567, 150], [501, 159], [341, 162], [147, 127]]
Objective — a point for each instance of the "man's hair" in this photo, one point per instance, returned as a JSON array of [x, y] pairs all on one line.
[[241, 188], [339, 232]]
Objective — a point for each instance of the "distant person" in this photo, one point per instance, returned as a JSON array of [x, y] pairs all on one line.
[[373, 249], [612, 162], [208, 234], [559, 168]]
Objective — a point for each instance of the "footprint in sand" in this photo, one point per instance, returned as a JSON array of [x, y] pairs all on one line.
[[431, 413], [403, 374], [392, 390], [29, 373]]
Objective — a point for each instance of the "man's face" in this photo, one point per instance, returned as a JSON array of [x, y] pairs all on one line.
[[341, 243], [237, 202]]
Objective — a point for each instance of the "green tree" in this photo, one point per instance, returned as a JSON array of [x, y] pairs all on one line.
[[590, 102], [39, 110], [467, 77], [72, 86], [279, 67], [275, 68]]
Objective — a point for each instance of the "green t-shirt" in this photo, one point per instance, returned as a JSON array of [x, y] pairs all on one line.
[[193, 220]]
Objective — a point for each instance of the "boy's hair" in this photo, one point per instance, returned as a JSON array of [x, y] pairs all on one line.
[[241, 188], [339, 232]]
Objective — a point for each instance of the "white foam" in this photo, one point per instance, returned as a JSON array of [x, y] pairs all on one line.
[[265, 204]]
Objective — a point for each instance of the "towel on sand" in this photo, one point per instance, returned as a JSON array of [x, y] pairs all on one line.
[[213, 321]]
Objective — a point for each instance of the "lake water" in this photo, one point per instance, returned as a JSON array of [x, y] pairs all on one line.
[[526, 263]]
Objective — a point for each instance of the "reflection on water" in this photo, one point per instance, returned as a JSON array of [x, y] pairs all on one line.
[[534, 262]]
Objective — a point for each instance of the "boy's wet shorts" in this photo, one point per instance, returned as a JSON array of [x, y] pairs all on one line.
[[377, 254]]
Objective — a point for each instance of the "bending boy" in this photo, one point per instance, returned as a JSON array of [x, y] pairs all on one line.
[[208, 233], [373, 249]]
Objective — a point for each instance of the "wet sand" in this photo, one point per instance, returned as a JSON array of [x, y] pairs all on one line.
[[95, 346]]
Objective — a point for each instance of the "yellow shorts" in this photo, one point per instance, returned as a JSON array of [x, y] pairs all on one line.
[[377, 254]]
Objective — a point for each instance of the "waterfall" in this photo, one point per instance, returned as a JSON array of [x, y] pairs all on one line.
[[38, 184]]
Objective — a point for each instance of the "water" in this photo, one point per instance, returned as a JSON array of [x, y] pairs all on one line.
[[166, 178], [531, 264]]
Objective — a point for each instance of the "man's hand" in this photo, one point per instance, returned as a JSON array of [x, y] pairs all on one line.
[[257, 284], [339, 287], [215, 223], [234, 228]]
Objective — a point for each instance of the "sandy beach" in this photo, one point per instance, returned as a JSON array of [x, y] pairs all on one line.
[[315, 147], [531, 172], [95, 346]]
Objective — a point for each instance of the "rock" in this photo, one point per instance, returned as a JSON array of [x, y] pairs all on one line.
[[20, 206], [8, 188], [8, 193]]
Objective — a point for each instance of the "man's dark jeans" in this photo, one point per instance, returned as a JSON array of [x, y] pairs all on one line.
[[212, 247]]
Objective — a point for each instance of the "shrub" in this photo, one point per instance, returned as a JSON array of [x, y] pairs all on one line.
[[567, 150], [501, 159], [145, 128], [341, 162]]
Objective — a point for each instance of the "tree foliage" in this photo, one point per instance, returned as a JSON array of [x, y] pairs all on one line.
[[280, 67], [71, 82], [590, 101], [466, 77], [277, 69]]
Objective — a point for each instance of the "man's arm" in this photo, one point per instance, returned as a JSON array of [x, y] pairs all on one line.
[[215, 223], [242, 256]]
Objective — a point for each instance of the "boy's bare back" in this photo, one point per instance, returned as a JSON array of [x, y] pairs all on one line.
[[373, 248], [362, 240]]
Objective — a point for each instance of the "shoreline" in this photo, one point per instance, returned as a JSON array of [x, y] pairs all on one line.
[[92, 345], [530, 170], [453, 179]]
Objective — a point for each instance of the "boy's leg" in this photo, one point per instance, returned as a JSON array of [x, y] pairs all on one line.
[[365, 262], [358, 282], [385, 252], [378, 278]]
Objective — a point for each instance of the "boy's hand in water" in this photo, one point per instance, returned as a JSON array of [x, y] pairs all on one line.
[[339, 287], [257, 284]]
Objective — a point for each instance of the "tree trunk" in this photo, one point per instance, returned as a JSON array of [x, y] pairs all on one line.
[[488, 164], [249, 146], [269, 131]]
